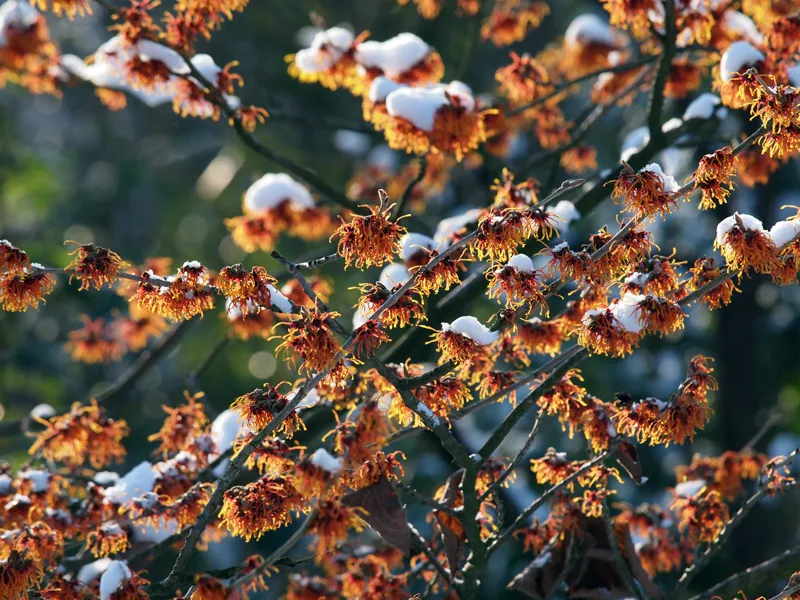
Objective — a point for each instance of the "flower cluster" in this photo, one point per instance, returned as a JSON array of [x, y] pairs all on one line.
[[657, 422], [22, 284], [615, 292], [83, 434], [646, 193], [273, 204], [95, 266], [370, 240], [178, 297], [251, 510], [260, 407]]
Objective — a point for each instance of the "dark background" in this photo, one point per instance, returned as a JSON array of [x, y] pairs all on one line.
[[70, 169]]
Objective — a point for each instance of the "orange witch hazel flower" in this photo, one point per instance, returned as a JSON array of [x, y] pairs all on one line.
[[330, 526], [253, 323], [24, 289], [428, 9], [12, 259], [744, 243], [714, 177], [249, 511], [109, 539], [705, 270], [521, 284], [701, 516], [182, 425], [19, 573], [554, 467], [524, 79], [648, 193], [258, 408], [367, 337], [178, 297], [273, 204], [440, 118], [370, 240], [95, 266], [330, 60], [246, 289], [500, 233], [508, 194], [203, 99], [511, 19], [309, 338], [406, 310], [610, 331], [652, 313], [70, 8], [138, 328], [250, 117], [635, 15], [536, 336], [83, 433], [95, 342], [725, 474], [579, 159], [657, 422], [273, 455], [463, 339]]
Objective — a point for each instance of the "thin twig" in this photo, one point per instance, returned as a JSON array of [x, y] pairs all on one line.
[[401, 205], [503, 537], [421, 498], [697, 565], [217, 349], [784, 562], [144, 362], [318, 262], [517, 459], [443, 573], [773, 419], [565, 85], [279, 553], [625, 572]]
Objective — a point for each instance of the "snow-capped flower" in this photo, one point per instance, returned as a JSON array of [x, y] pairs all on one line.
[[405, 58], [741, 239], [463, 339], [440, 117], [648, 193]]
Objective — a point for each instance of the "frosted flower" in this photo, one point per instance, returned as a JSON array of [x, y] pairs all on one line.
[[463, 339], [603, 332], [648, 193], [520, 283], [741, 239], [330, 61], [272, 204], [441, 118], [589, 41], [405, 58], [739, 57]]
